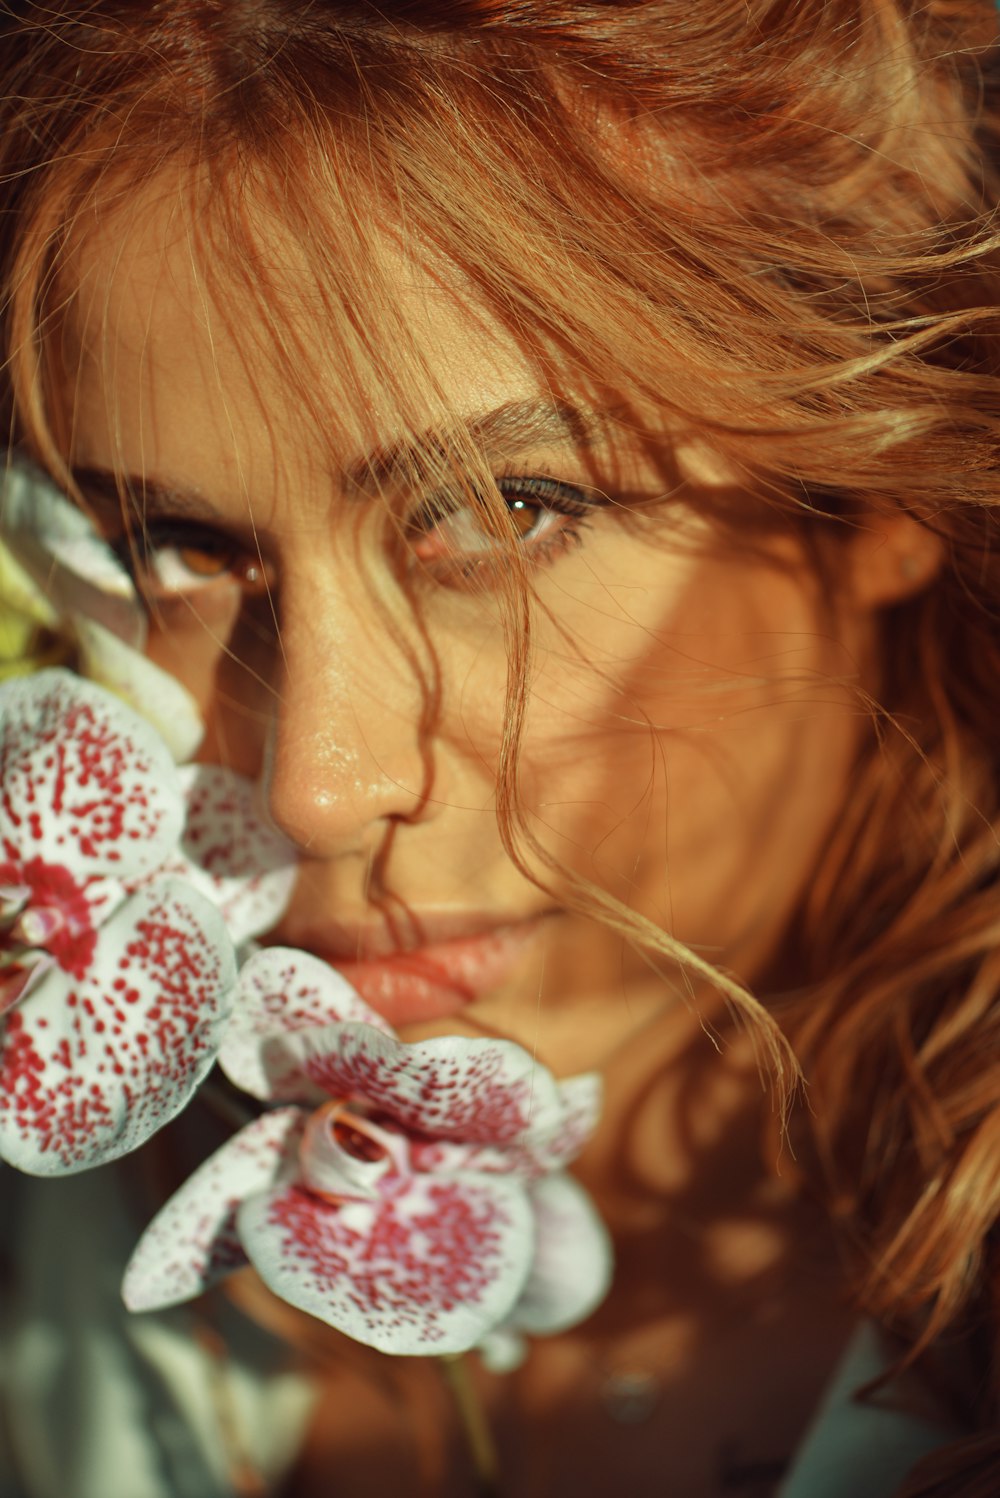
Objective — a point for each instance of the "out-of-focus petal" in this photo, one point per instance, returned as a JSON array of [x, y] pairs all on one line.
[[571, 1270], [92, 1065], [569, 1276], [426, 1271], [20, 593], [84, 782], [28, 623], [152, 692], [60, 548], [232, 853], [502, 1350], [477, 1091], [557, 1135], [282, 990], [192, 1241]]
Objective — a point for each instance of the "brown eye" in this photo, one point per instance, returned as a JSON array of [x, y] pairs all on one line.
[[545, 516], [524, 516], [176, 562], [205, 562]]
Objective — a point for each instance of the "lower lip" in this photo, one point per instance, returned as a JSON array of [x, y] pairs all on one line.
[[436, 981]]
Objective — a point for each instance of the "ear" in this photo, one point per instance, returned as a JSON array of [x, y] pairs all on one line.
[[891, 558]]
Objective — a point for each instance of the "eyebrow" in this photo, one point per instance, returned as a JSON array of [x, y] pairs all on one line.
[[109, 491], [515, 427], [507, 430]]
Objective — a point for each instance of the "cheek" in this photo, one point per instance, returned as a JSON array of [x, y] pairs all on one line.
[[190, 636], [224, 653], [694, 766]]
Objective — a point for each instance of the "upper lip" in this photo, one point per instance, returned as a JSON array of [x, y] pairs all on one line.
[[412, 931]]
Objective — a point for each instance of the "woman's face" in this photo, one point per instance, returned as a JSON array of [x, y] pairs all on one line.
[[690, 725]]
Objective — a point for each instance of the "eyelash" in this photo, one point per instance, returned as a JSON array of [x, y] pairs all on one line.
[[554, 500], [155, 556], [157, 573]]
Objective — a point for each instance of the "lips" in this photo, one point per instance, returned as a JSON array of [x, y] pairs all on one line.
[[439, 978]]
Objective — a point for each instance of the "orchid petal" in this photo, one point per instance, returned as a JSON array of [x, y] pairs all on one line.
[[84, 783], [427, 1270], [557, 1136], [192, 1242], [94, 1063], [232, 853], [18, 983], [19, 639], [477, 1091], [152, 692], [560, 1125], [570, 1274], [503, 1350], [21, 594], [59, 547], [282, 990], [571, 1270]]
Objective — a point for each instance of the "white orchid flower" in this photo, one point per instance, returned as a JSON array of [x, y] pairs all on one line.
[[125, 884], [115, 980], [410, 1195]]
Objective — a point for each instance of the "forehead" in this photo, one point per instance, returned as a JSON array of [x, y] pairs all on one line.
[[184, 352]]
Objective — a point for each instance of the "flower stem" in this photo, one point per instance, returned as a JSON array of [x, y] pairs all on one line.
[[476, 1429]]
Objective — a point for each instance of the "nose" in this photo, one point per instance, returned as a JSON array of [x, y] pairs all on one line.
[[350, 747]]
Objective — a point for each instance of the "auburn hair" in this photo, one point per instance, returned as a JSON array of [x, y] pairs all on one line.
[[771, 223]]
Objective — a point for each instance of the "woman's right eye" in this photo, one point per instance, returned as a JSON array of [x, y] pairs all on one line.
[[169, 561]]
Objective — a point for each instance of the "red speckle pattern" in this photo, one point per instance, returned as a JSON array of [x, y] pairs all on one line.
[[193, 1241], [572, 1124], [84, 782], [282, 990], [476, 1090], [232, 853], [423, 1270], [54, 888], [90, 1066], [281, 1045], [408, 1221]]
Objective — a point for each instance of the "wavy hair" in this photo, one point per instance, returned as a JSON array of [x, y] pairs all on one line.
[[769, 222]]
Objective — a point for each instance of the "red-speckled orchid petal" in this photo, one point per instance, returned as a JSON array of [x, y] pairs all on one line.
[[193, 1242], [84, 782], [428, 1269], [476, 1091], [92, 1063], [556, 1137], [282, 990], [232, 853], [559, 1127], [553, 1137], [570, 1273]]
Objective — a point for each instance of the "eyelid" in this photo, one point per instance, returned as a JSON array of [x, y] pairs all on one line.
[[563, 510], [551, 493], [141, 549], [558, 495]]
